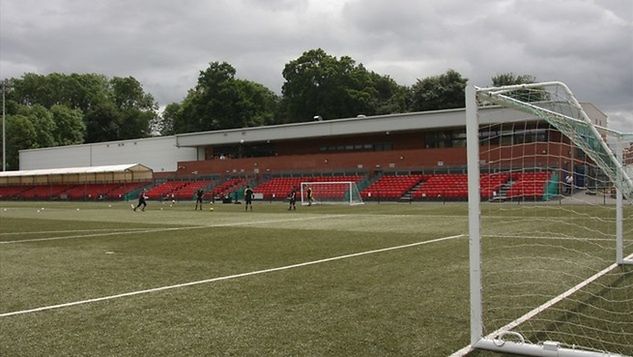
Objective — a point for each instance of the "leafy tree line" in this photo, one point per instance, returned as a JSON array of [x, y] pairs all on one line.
[[64, 109], [316, 84], [60, 109]]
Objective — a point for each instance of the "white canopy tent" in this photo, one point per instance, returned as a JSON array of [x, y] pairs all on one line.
[[78, 175]]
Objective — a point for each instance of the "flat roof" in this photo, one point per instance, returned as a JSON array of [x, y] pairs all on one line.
[[348, 126], [436, 119], [78, 170]]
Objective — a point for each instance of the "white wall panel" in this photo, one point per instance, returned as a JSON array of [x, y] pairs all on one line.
[[160, 154], [56, 157]]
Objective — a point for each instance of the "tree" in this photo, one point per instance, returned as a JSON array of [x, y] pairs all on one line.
[[21, 135], [102, 123], [506, 79], [307, 78], [257, 104], [220, 101], [390, 97], [76, 91], [45, 126], [128, 94], [320, 84], [170, 118], [136, 109], [445, 91], [134, 123], [69, 126], [111, 109]]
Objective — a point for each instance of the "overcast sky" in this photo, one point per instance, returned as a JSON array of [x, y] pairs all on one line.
[[165, 43]]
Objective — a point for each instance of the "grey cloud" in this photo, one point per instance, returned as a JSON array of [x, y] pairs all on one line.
[[588, 44]]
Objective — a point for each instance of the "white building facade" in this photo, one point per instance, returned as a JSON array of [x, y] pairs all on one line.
[[161, 154]]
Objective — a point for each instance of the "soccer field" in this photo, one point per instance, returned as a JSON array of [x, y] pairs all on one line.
[[371, 280]]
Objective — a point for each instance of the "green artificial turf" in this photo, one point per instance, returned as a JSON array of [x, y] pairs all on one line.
[[401, 302]]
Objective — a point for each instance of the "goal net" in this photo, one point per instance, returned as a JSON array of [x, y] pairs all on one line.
[[550, 224], [343, 192]]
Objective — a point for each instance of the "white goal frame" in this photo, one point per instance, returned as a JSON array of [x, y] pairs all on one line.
[[350, 189], [495, 341]]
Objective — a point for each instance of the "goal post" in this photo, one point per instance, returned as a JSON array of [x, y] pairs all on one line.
[[550, 256], [333, 192]]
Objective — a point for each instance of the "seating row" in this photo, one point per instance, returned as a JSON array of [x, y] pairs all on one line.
[[530, 185], [280, 187], [69, 191], [392, 187]]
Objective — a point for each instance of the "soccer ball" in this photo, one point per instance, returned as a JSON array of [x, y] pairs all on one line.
[[210, 208], [77, 209]]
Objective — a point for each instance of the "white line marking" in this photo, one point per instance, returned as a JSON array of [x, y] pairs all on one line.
[[234, 224], [228, 277], [72, 231], [539, 309], [96, 235], [581, 239]]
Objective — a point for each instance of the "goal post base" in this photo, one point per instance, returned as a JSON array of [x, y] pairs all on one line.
[[546, 349]]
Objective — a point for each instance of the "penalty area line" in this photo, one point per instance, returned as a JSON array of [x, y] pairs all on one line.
[[228, 277]]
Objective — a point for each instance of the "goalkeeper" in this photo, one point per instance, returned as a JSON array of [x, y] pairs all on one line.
[[309, 196], [199, 195]]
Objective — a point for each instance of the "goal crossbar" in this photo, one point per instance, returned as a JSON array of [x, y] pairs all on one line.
[[579, 129]]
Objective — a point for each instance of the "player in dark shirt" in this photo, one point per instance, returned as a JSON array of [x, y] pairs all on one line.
[[141, 201], [248, 198], [293, 199], [309, 196], [199, 195]]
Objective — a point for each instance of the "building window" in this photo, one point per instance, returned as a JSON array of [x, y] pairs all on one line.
[[445, 139]]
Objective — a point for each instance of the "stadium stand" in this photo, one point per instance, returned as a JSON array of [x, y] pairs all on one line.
[[225, 188], [120, 192], [188, 191], [91, 191], [444, 186], [278, 188], [392, 187], [528, 185], [490, 184], [165, 189], [45, 192], [12, 192]]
